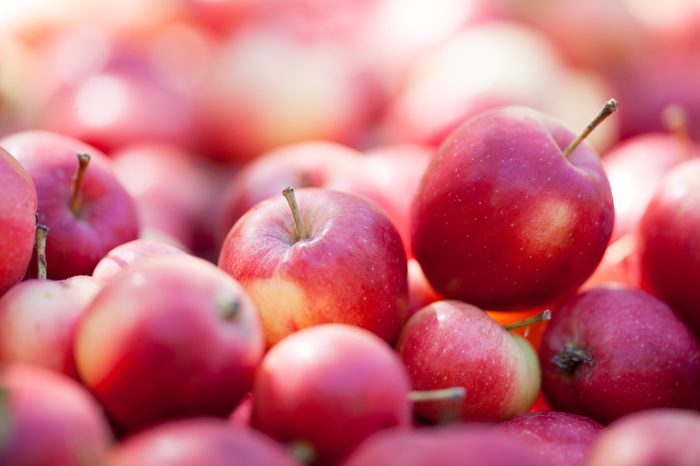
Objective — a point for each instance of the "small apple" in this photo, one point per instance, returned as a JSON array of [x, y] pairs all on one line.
[[130, 252]]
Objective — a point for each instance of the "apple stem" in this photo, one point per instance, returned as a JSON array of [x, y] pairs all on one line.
[[541, 317], [302, 451], [83, 162], [288, 194], [675, 119], [607, 110], [40, 235], [570, 357], [443, 394]]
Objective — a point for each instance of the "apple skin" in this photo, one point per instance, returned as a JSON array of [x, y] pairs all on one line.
[[503, 220], [559, 437], [351, 269], [460, 445], [49, 418], [454, 344], [107, 215], [126, 254], [205, 441], [38, 320], [650, 438], [669, 242], [163, 320], [330, 386], [18, 207], [642, 355]]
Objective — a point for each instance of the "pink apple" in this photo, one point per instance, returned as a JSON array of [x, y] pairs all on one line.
[[611, 351], [669, 239], [49, 418], [169, 337], [342, 262], [126, 254], [504, 219], [86, 219], [330, 387], [455, 344], [18, 207], [199, 441]]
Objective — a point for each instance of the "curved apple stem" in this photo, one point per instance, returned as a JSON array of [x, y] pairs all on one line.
[[288, 194], [443, 394], [541, 317], [83, 162], [607, 110], [675, 119], [40, 235]]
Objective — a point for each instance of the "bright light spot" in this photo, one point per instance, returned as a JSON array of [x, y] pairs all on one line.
[[101, 100]]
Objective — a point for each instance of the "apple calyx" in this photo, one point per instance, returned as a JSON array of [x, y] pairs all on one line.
[[229, 307], [607, 110], [83, 162], [40, 235], [571, 357], [541, 317], [288, 194], [442, 394], [302, 451]]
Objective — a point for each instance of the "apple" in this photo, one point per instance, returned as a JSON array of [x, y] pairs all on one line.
[[86, 209], [649, 438], [669, 239], [559, 437], [451, 343], [18, 207], [611, 351], [48, 418], [328, 388], [130, 252], [205, 441], [169, 337], [512, 211], [334, 258]]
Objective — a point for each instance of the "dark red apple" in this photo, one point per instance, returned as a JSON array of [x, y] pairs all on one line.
[[611, 351], [87, 214], [18, 206], [507, 215], [341, 260], [126, 254], [329, 387], [169, 337]]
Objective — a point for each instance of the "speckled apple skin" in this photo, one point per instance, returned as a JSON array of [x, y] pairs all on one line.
[[503, 220], [644, 355]]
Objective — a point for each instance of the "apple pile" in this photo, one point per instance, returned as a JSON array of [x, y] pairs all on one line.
[[354, 233]]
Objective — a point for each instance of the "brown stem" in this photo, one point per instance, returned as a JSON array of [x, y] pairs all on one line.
[[83, 162], [288, 194], [570, 357], [607, 110], [443, 394], [541, 317], [40, 242], [675, 119]]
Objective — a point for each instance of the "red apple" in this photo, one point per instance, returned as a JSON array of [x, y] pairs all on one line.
[[450, 343], [611, 351], [330, 387], [505, 217], [128, 253], [18, 207], [341, 260], [49, 419], [199, 441], [669, 242], [88, 214], [169, 337]]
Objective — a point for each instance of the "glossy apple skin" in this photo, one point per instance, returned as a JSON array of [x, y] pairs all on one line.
[[502, 220], [649, 438], [559, 437], [38, 320], [447, 446], [107, 215], [49, 418], [164, 321], [18, 207], [130, 252], [454, 344], [642, 355], [352, 268], [332, 386], [205, 441], [669, 242]]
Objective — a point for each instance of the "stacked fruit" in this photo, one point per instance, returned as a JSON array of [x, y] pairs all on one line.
[[357, 232]]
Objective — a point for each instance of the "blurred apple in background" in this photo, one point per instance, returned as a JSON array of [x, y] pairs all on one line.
[[128, 253]]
